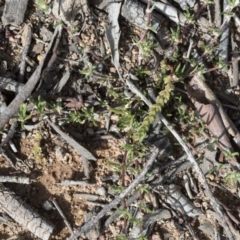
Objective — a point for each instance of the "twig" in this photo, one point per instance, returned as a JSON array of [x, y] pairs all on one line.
[[10, 133], [24, 54], [15, 179], [224, 38], [191, 158], [119, 198], [148, 16], [74, 183], [80, 149], [13, 107], [235, 69], [115, 215], [62, 215], [217, 13], [85, 167], [88, 197], [187, 186]]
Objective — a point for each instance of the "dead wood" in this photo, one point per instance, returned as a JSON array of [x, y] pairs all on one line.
[[119, 198], [13, 107], [198, 84], [24, 215], [14, 11]]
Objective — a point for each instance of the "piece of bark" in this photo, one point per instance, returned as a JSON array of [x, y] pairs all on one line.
[[210, 115], [15, 179], [14, 11], [26, 45], [201, 90], [178, 201], [235, 68], [10, 85], [68, 10], [24, 215]]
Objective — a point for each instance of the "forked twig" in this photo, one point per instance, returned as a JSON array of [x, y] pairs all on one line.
[[119, 198], [25, 92], [191, 158]]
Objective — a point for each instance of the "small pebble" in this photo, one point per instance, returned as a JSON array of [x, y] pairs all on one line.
[[101, 191], [48, 206]]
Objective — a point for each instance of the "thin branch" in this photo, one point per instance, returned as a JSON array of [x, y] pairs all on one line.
[[80, 149], [119, 198], [13, 107], [62, 215], [24, 54]]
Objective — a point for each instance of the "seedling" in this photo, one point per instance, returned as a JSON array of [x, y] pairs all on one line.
[[175, 34], [57, 107], [82, 116], [22, 115], [41, 5], [145, 46], [40, 106], [233, 178], [75, 117], [88, 71], [189, 16]]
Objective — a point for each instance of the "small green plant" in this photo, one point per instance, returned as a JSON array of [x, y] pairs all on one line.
[[233, 178], [175, 34], [229, 154], [75, 117], [141, 72], [40, 106], [189, 16], [57, 107], [161, 100], [88, 115], [208, 49], [85, 115], [87, 72], [145, 46], [41, 5], [37, 152], [22, 115]]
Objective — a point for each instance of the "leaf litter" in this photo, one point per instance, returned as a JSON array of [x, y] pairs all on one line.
[[93, 80]]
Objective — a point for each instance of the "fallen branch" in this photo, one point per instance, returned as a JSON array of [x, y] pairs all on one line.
[[80, 149], [24, 215], [119, 198], [25, 92], [24, 54]]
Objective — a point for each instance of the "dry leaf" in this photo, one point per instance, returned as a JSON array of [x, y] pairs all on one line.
[[75, 103]]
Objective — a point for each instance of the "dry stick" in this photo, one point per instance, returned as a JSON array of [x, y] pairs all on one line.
[[13, 107], [80, 149], [235, 69], [62, 215], [191, 158], [24, 54], [10, 133], [148, 16], [217, 13], [116, 214], [119, 198], [15, 179]]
